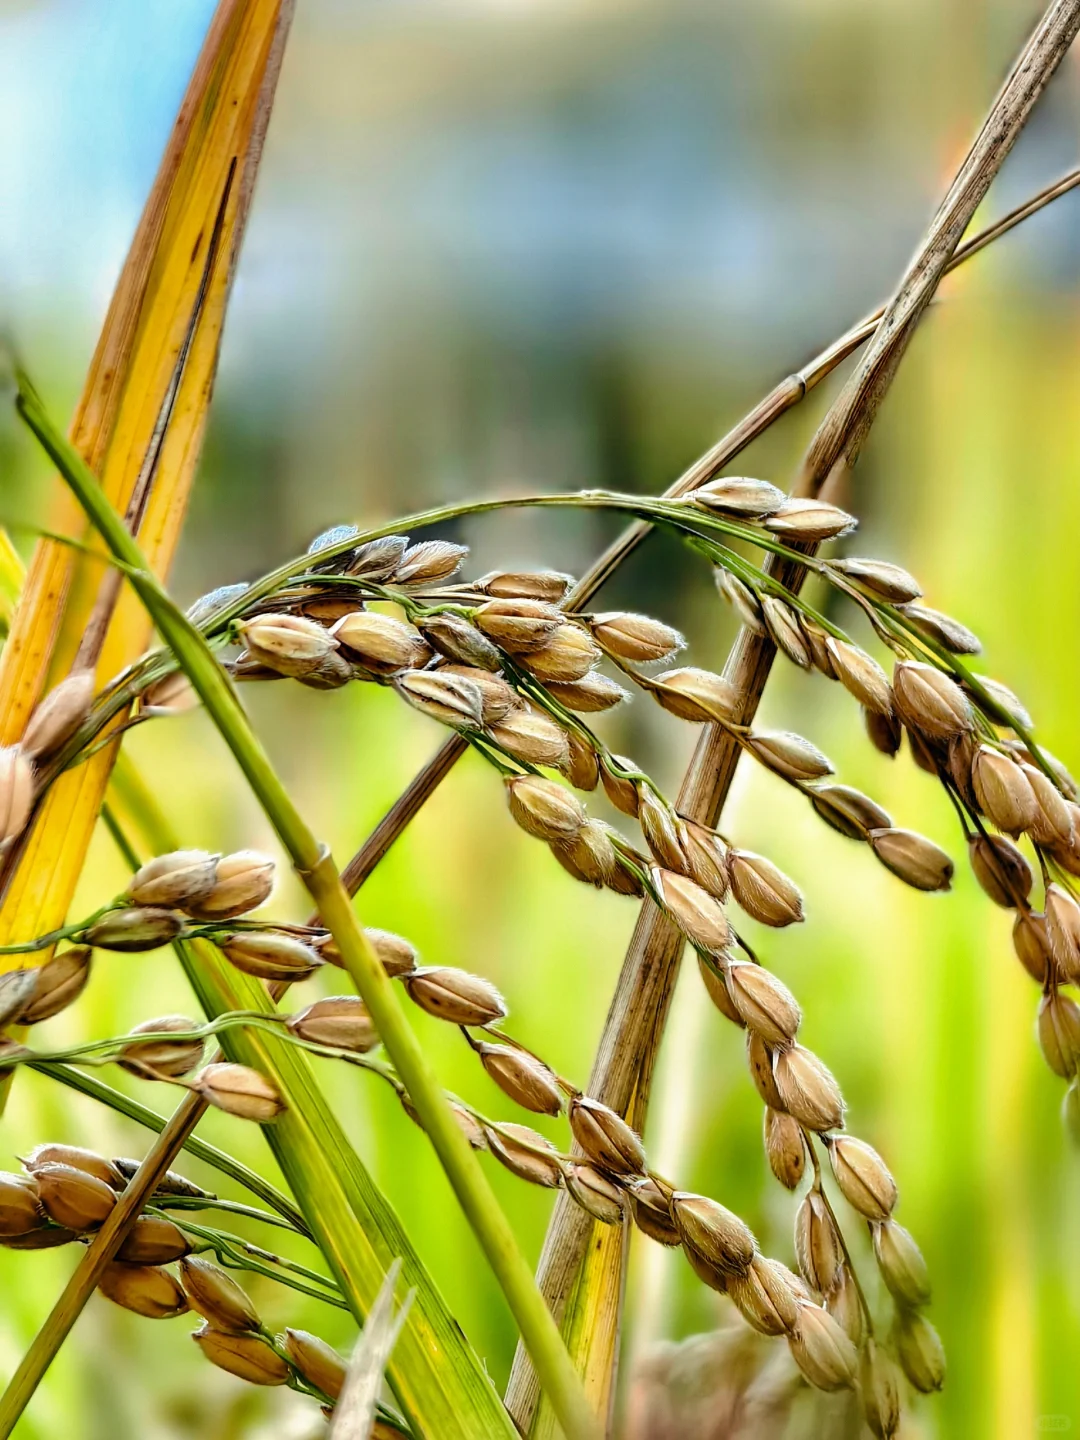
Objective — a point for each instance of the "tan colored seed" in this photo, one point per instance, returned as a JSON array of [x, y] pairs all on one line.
[[929, 701], [288, 644], [544, 808], [637, 638], [739, 495], [1031, 942], [594, 1192], [589, 695], [341, 1021], [16, 791], [879, 1384], [248, 1357], [20, 1207], [861, 675], [455, 995], [706, 857], [241, 1091], [1000, 869], [708, 1273], [245, 880], [446, 698], [782, 624], [789, 755], [590, 856], [1053, 822], [764, 1297], [710, 1230], [807, 1090], [1003, 791], [741, 599], [518, 625], [818, 1247], [766, 1006], [318, 1363], [150, 1059], [822, 1350], [763, 890], [695, 695], [59, 715], [524, 1078], [145, 1289], [944, 629], [153, 1240], [429, 561], [1058, 1029], [16, 992], [816, 638], [800, 519], [179, 878], [171, 695], [396, 955], [143, 927], [913, 858], [582, 768], [716, 985], [567, 655], [843, 1304], [549, 585], [659, 825], [849, 811], [497, 698], [1004, 706], [650, 1206], [73, 1198], [863, 1177], [606, 1138], [884, 731], [698, 914], [533, 738], [377, 559], [526, 1154], [54, 1153], [785, 1148], [270, 955], [920, 1351], [58, 982], [45, 1239], [625, 881], [761, 1062], [380, 642], [217, 1297], [1063, 929], [883, 579], [901, 1263], [623, 793]]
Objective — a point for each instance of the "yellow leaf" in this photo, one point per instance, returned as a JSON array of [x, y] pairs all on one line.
[[180, 264]]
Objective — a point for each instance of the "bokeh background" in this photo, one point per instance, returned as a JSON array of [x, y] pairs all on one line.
[[545, 244]]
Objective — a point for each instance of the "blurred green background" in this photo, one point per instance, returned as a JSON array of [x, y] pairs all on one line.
[[560, 243]]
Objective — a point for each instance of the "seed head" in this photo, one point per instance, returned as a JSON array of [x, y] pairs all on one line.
[[318, 1363], [660, 827], [861, 675], [171, 695], [449, 699], [245, 880], [518, 625], [16, 990], [765, 1006], [341, 1021], [1053, 821], [901, 1263], [47, 1238], [378, 559], [171, 1183], [153, 1240], [816, 639], [217, 1297], [789, 755], [429, 561], [525, 1079], [606, 1138], [270, 955], [784, 1147], [589, 856], [1058, 1029], [145, 1289], [708, 1229], [1003, 791], [180, 878], [329, 539], [698, 915], [1031, 941], [288, 644], [822, 1350], [497, 698], [849, 811], [637, 638], [879, 1385], [20, 1207], [239, 1090], [929, 701], [455, 995], [705, 857], [531, 737], [807, 1089], [142, 927], [764, 1297], [763, 890], [1063, 929], [247, 1356], [716, 984], [594, 1192], [59, 715], [397, 956], [589, 695], [650, 1205], [567, 655], [547, 585], [818, 1247], [16, 791], [695, 695], [863, 1177], [454, 637], [920, 1352], [761, 1062], [811, 520], [81, 1159], [58, 982], [884, 732], [545, 808], [739, 495], [381, 643], [843, 1304], [623, 793], [949, 633], [782, 623], [1000, 869], [880, 578], [741, 599], [73, 1198], [582, 768], [526, 1154], [913, 858], [151, 1059]]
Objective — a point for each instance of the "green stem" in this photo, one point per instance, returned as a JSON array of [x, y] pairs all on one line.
[[316, 868]]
